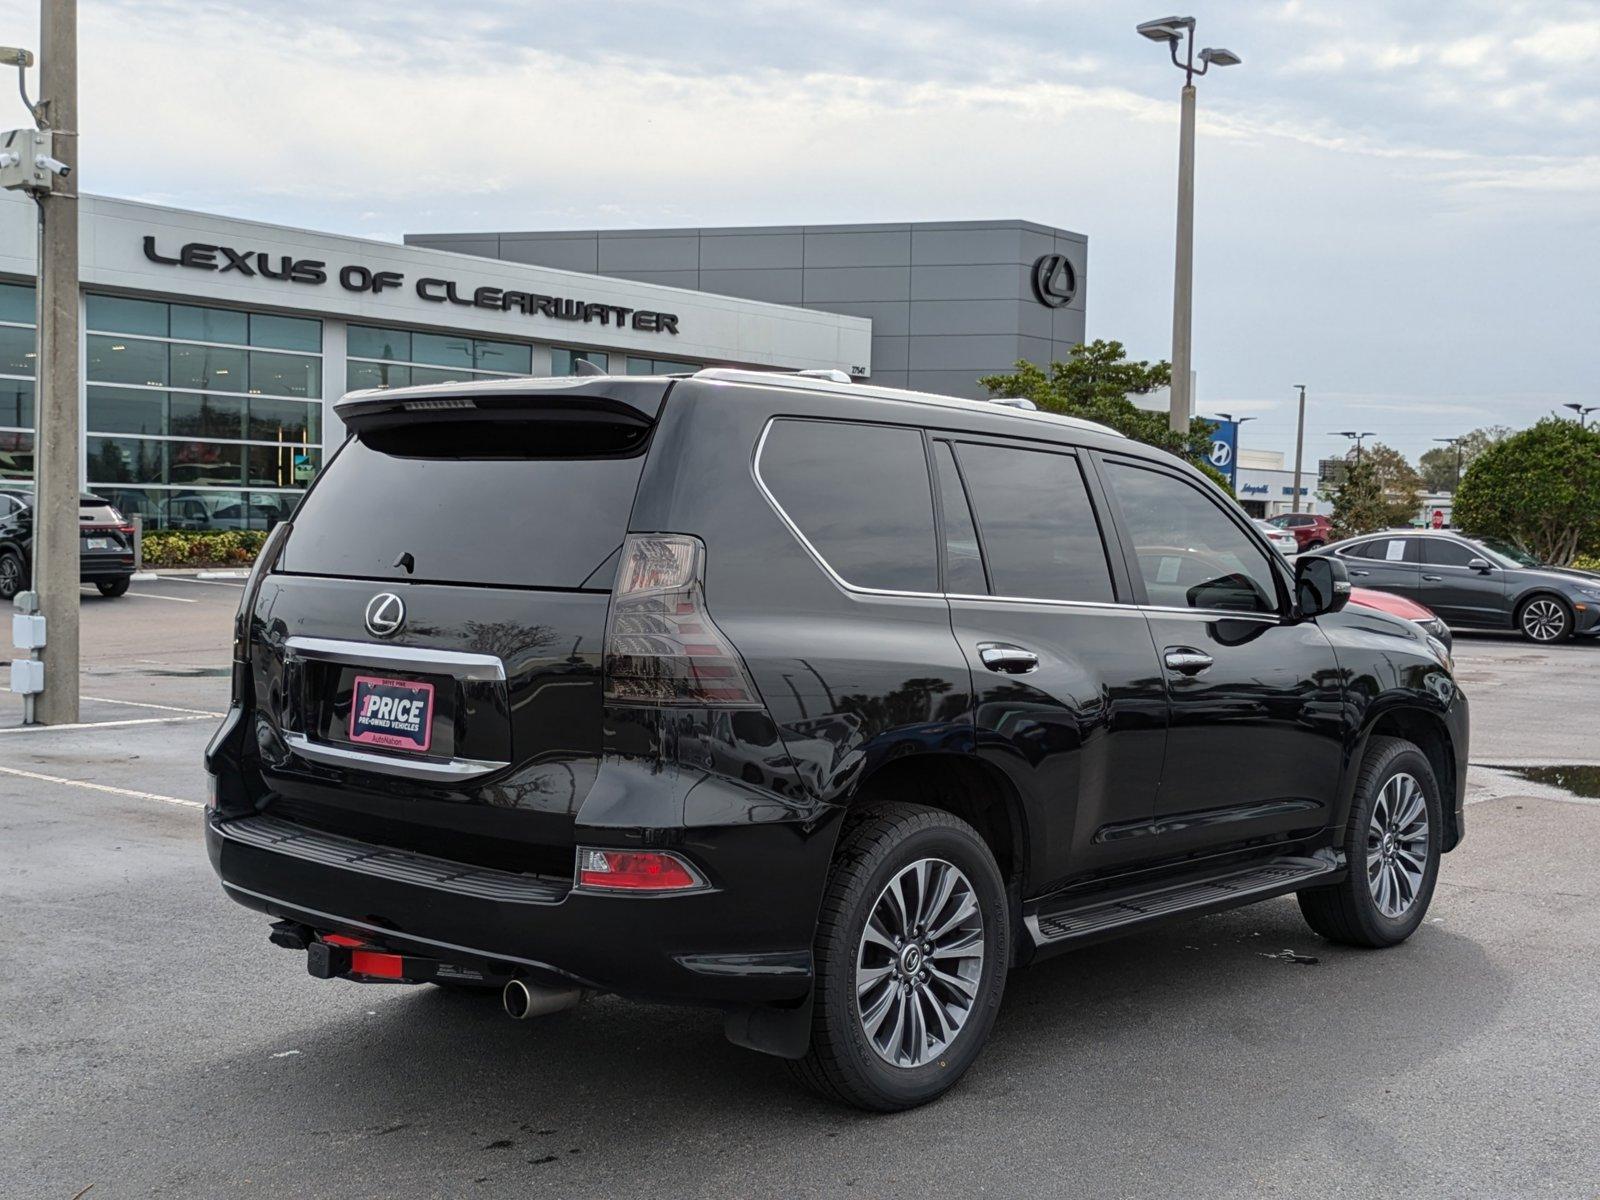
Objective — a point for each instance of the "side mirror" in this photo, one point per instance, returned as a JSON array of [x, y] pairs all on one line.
[[1321, 585], [1480, 564]]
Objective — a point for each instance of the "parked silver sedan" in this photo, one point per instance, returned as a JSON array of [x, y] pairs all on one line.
[[1280, 538]]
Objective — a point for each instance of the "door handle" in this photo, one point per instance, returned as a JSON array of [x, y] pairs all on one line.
[[1186, 660], [1432, 578], [1361, 572], [1007, 659]]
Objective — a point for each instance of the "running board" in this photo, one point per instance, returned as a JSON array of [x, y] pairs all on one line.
[[1057, 924]]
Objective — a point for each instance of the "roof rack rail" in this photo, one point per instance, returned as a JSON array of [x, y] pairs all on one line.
[[831, 373], [1015, 402]]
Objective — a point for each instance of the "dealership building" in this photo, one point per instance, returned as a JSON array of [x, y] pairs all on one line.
[[213, 349]]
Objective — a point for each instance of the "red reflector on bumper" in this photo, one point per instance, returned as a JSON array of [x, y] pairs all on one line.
[[382, 966], [635, 871]]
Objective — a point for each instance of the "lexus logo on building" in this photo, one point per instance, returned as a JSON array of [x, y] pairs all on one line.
[[386, 614], [1055, 283]]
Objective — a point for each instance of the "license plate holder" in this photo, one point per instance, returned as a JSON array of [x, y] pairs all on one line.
[[95, 543], [396, 714]]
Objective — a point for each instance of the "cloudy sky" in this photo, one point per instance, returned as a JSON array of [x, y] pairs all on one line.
[[1398, 202]]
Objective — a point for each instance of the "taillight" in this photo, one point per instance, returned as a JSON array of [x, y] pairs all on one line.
[[661, 645], [635, 871]]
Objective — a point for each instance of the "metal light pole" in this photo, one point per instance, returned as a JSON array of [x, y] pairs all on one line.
[[1299, 444], [43, 163], [1238, 422], [1173, 30], [1455, 442], [1357, 437], [1583, 413]]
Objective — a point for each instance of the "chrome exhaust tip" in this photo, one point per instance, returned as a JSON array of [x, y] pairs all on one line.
[[523, 1000]]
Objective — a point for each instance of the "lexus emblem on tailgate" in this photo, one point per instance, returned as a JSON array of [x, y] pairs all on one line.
[[386, 613]]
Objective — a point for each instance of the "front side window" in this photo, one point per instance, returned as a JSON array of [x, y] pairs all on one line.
[[1442, 552], [1191, 555], [860, 495], [1038, 528]]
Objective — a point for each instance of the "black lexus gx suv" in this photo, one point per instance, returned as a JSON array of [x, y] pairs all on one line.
[[823, 704]]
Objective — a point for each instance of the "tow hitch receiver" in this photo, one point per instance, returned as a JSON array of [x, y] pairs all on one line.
[[337, 956]]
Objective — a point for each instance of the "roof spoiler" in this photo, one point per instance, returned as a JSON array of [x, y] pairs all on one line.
[[624, 400]]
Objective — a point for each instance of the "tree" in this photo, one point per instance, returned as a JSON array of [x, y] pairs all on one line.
[[1358, 502], [1439, 464], [1540, 489], [1398, 481], [1095, 383], [1379, 491]]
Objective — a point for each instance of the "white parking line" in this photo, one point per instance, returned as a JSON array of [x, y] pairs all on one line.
[[196, 579], [153, 596], [198, 712], [103, 724], [99, 787]]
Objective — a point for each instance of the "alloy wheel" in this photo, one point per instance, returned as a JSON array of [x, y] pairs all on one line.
[[1544, 620], [1397, 845], [919, 963], [10, 576]]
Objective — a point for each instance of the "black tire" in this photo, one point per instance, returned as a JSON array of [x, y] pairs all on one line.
[[13, 574], [1313, 545], [876, 845], [112, 588], [1348, 911], [1555, 623]]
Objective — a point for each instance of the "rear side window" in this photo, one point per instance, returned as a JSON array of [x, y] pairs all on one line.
[[860, 495], [1038, 528], [512, 521], [1388, 550], [1441, 552]]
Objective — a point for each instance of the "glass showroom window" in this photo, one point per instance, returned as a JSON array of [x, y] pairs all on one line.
[[660, 366], [201, 418], [385, 358], [565, 362], [16, 383]]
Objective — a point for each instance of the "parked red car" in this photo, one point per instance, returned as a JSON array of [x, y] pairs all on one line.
[[1310, 530], [1399, 606]]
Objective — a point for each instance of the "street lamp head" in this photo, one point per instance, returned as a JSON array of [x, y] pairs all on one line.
[[1167, 29], [1219, 57], [15, 56]]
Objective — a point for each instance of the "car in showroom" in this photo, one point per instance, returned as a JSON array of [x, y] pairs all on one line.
[[1475, 583], [1399, 606], [1311, 530], [821, 703], [105, 544]]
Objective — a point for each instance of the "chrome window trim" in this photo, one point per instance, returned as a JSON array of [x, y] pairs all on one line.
[[409, 768], [412, 658], [854, 589]]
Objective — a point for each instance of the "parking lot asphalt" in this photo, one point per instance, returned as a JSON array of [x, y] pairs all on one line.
[[156, 1044]]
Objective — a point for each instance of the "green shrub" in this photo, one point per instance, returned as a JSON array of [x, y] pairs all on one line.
[[1587, 562], [178, 548]]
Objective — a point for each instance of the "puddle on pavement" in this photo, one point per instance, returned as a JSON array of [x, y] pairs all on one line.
[[1579, 780]]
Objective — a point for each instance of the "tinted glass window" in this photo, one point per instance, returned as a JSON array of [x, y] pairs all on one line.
[[209, 324], [468, 518], [565, 362], [963, 561], [16, 350], [1039, 530], [16, 403], [860, 494], [17, 303], [117, 314], [1191, 555], [1441, 552], [285, 333], [1397, 550]]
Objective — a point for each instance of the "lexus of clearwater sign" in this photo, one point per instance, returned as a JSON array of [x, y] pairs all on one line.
[[201, 256]]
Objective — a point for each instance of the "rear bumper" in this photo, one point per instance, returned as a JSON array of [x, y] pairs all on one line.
[[684, 948], [98, 568]]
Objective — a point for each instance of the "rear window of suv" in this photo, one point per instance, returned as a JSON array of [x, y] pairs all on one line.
[[519, 521]]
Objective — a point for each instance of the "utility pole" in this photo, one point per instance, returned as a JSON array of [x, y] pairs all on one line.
[[1299, 445], [56, 419]]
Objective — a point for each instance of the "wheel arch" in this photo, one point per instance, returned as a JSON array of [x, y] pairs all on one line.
[[1539, 591], [964, 786], [1428, 732]]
